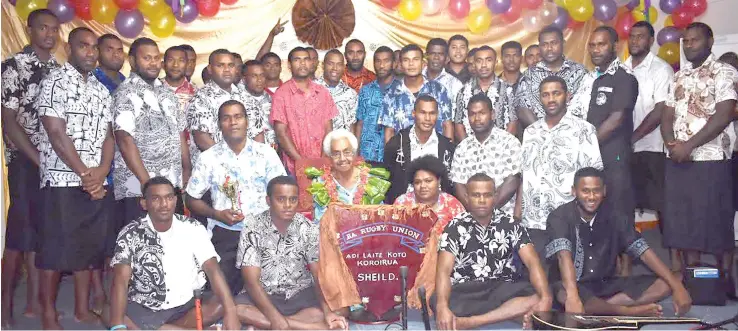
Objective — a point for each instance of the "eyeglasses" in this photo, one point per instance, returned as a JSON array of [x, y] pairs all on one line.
[[337, 155]]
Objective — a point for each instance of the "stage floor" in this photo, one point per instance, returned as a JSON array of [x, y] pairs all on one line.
[[65, 305]]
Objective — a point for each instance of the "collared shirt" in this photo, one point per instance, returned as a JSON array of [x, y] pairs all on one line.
[[184, 93], [464, 75], [271, 90], [369, 110], [446, 208], [165, 266], [399, 102], [551, 157], [110, 84], [501, 95], [282, 258], [483, 253], [418, 149], [261, 107], [528, 93], [605, 92], [514, 85], [21, 79], [150, 114], [594, 247], [366, 76], [452, 84], [85, 107], [694, 94], [654, 76], [305, 114], [498, 157], [252, 169], [346, 100]]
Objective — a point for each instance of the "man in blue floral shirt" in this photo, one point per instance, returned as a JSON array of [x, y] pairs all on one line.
[[371, 145]]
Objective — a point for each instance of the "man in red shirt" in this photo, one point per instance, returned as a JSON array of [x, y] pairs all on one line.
[[356, 75]]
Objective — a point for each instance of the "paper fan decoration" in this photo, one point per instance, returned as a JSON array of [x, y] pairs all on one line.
[[324, 24]]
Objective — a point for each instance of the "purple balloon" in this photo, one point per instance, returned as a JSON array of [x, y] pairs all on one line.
[[605, 10], [562, 19], [499, 6], [63, 10], [668, 34], [668, 6], [188, 12], [12, 2], [129, 23], [632, 4]]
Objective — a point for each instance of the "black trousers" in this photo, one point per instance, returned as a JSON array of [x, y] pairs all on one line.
[[226, 245]]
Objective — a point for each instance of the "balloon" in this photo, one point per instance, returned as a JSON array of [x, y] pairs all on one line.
[[458, 9], [668, 6], [479, 20], [581, 11], [605, 10], [208, 8], [562, 3], [151, 8], [670, 53], [621, 3], [653, 15], [548, 13], [531, 4], [62, 9], [668, 21], [163, 24], [562, 19], [104, 11], [512, 14], [696, 7], [633, 4], [129, 23], [391, 4], [25, 7], [574, 25], [532, 22], [12, 2], [668, 35], [189, 12], [499, 6], [433, 7], [229, 2], [623, 24], [410, 10], [127, 4], [82, 9], [681, 18]]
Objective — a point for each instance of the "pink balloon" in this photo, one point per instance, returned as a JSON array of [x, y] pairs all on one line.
[[531, 4], [459, 9], [433, 7]]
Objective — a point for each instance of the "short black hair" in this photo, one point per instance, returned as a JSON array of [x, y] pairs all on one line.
[[231, 103], [39, 12], [355, 41], [237, 56], [385, 49], [138, 43], [187, 47], [484, 48], [459, 37], [291, 55], [644, 24], [481, 177], [551, 29], [106, 37], [280, 180], [310, 48], [531, 47], [425, 98], [271, 54], [481, 97], [205, 75], [248, 64], [554, 79], [610, 31], [430, 164], [174, 49], [588, 172], [437, 42], [706, 29], [158, 180], [472, 52], [219, 51], [512, 45], [411, 48], [729, 58], [332, 51], [73, 34]]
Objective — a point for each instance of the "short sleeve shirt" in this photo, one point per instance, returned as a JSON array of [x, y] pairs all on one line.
[[85, 107], [259, 107], [399, 102], [446, 208], [346, 100], [528, 92], [358, 82], [369, 110], [654, 76], [184, 93], [501, 95], [452, 84], [283, 258]]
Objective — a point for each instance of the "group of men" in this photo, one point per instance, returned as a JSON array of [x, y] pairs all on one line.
[[103, 167]]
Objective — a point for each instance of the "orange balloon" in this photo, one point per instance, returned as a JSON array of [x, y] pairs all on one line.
[[103, 11]]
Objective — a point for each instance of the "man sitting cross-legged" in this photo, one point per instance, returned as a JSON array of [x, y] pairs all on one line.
[[276, 249], [587, 237], [159, 260], [476, 280]]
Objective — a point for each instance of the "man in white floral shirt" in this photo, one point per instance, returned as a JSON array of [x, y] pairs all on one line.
[[697, 130], [343, 96], [476, 280]]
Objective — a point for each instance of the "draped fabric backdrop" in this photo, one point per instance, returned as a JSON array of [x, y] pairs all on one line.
[[243, 27]]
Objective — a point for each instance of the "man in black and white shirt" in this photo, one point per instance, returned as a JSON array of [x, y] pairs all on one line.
[[149, 130], [491, 151], [476, 279], [76, 144], [258, 102], [160, 260], [278, 258], [345, 98]]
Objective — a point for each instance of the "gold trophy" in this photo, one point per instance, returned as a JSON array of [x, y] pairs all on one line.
[[230, 189]]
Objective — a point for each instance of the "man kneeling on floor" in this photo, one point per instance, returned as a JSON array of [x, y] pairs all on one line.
[[476, 280], [159, 260], [587, 237], [276, 249]]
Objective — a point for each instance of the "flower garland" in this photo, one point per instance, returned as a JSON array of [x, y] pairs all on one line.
[[372, 185], [330, 184]]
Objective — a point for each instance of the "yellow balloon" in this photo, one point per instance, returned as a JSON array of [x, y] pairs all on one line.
[[668, 21], [561, 3], [479, 20], [410, 10], [163, 24], [103, 11], [581, 11], [25, 7], [152, 8], [653, 15], [669, 52]]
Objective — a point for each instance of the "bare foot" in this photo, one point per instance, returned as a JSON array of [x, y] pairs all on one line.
[[652, 309], [87, 317], [98, 303], [50, 322], [32, 310]]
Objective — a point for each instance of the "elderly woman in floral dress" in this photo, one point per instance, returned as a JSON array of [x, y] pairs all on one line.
[[426, 175], [345, 180]]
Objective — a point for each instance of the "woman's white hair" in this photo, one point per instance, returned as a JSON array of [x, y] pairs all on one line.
[[336, 135]]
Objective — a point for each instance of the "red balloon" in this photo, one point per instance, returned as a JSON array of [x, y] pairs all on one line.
[[208, 8], [459, 9], [512, 14], [681, 17], [229, 2], [82, 9], [623, 24], [574, 24], [530, 4], [696, 7], [391, 4], [126, 4]]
